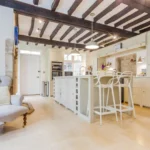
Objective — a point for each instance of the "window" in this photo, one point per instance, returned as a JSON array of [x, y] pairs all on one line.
[[74, 64], [67, 57]]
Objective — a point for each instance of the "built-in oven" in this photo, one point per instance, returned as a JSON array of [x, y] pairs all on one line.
[[57, 69], [68, 73]]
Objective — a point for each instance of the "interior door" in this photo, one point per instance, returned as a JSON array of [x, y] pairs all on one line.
[[29, 74]]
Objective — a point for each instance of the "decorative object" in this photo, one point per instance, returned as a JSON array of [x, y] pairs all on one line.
[[92, 45]]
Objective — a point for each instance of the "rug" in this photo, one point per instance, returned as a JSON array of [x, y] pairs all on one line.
[[29, 106]]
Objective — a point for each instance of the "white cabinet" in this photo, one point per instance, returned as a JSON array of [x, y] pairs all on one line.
[[146, 97], [65, 92]]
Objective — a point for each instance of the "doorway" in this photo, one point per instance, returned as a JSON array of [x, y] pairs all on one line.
[[30, 74]]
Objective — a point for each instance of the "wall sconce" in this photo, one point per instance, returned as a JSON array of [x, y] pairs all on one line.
[[140, 60]]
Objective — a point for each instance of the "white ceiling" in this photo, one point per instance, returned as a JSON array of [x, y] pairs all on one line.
[[63, 7]]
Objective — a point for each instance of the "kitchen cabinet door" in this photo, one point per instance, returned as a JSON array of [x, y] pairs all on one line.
[[71, 94], [146, 97], [137, 95]]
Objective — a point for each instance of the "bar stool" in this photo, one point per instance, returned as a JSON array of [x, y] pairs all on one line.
[[104, 108], [127, 77]]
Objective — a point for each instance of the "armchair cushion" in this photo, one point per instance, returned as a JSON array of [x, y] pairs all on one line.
[[4, 95], [11, 112], [16, 100]]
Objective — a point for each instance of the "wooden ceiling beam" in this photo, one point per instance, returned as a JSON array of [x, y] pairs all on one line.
[[33, 11], [107, 10], [138, 4], [55, 5], [85, 36], [114, 42], [91, 8], [74, 7], [101, 38], [49, 42], [141, 26], [94, 37], [132, 16], [118, 15], [32, 26], [56, 30], [76, 35], [136, 21], [145, 30], [44, 28], [35, 2], [67, 32]]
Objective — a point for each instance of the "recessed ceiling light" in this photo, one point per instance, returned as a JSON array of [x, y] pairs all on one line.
[[40, 21], [114, 37]]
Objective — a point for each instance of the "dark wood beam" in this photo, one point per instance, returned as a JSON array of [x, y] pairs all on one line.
[[106, 41], [74, 6], [31, 27], [85, 36], [114, 42], [48, 42], [136, 21], [91, 8], [143, 2], [118, 15], [145, 30], [94, 37], [122, 21], [107, 10], [38, 12], [67, 32], [137, 4], [101, 38], [141, 26], [56, 30], [76, 35], [55, 5], [35, 2], [44, 28], [105, 44]]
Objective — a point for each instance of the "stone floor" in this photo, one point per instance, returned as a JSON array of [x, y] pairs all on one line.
[[52, 127]]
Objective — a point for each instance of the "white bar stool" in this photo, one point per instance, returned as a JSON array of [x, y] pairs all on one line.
[[127, 77], [104, 108]]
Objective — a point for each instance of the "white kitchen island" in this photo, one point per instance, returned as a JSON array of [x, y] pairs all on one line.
[[78, 94]]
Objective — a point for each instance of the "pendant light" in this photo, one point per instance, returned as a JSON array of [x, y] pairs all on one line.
[[92, 45], [75, 52]]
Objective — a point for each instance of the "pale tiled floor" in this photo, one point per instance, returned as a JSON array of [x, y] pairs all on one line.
[[52, 127]]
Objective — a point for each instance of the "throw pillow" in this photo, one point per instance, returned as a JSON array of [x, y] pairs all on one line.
[[4, 95]]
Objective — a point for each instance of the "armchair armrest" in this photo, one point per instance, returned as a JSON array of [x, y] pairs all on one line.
[[16, 100]]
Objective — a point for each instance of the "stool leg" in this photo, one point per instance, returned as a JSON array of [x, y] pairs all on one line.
[[24, 120], [103, 99], [113, 97], [107, 97], [131, 99], [100, 104], [120, 103]]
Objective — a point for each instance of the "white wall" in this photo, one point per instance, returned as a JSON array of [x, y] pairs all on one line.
[[6, 32]]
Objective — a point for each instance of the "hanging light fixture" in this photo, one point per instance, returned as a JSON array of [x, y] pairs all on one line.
[[140, 60], [92, 44], [75, 52]]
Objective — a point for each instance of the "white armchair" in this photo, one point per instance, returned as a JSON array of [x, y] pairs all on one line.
[[9, 112]]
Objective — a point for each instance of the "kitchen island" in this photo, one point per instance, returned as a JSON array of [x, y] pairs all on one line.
[[78, 94]]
